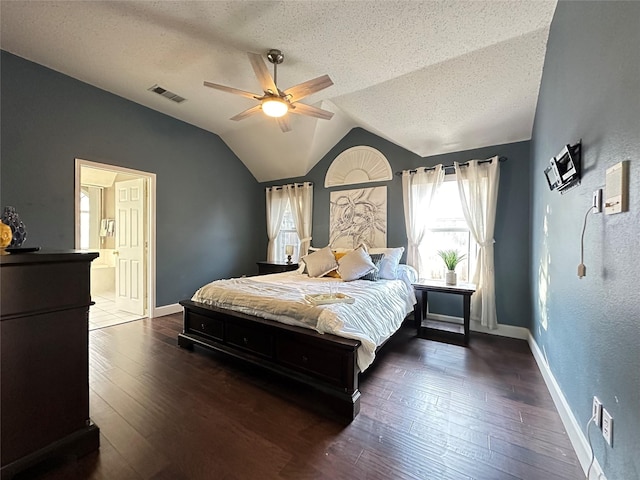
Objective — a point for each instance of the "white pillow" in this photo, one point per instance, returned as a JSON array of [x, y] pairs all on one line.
[[389, 264], [355, 264], [320, 263], [407, 273]]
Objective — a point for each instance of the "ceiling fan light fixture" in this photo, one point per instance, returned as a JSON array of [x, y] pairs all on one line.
[[276, 103], [274, 107]]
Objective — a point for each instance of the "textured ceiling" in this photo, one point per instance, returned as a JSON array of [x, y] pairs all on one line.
[[432, 77]]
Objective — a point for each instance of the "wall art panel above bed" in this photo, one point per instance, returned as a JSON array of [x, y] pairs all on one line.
[[358, 216]]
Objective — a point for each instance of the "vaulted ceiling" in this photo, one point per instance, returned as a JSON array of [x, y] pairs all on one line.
[[432, 77]]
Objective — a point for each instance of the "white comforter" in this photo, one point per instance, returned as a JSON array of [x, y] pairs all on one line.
[[378, 310]]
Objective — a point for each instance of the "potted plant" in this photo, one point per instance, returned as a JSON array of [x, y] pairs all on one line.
[[451, 259]]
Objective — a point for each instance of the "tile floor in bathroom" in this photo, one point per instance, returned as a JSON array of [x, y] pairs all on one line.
[[105, 314]]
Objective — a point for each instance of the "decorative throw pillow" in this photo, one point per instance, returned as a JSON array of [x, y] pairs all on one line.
[[320, 263], [334, 273], [389, 264], [355, 264], [310, 250], [374, 275]]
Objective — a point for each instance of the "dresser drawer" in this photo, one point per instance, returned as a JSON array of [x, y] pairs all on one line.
[[210, 327], [39, 287], [255, 340], [311, 358]]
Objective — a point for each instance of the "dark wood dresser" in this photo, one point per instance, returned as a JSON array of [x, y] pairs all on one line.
[[44, 358], [275, 267]]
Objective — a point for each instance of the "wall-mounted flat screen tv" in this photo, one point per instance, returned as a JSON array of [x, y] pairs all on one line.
[[563, 171]]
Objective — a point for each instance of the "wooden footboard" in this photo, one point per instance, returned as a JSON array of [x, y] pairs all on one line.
[[323, 361]]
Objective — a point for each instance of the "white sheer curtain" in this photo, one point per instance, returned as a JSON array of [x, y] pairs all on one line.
[[478, 188], [418, 190], [301, 201], [276, 204]]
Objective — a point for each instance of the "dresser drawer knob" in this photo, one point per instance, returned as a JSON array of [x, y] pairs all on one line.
[[203, 326], [245, 340], [305, 359]]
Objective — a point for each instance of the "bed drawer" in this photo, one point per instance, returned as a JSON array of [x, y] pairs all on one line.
[[255, 340], [311, 358], [210, 327]]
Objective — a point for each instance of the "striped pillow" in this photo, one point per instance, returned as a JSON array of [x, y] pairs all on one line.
[[374, 275]]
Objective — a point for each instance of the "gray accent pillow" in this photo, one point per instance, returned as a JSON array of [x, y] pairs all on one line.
[[374, 275]]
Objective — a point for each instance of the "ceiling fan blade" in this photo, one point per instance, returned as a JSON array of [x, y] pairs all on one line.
[[304, 89], [260, 69], [284, 124], [247, 113], [304, 109], [231, 90]]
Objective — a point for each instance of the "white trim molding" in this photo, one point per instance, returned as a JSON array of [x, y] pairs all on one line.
[[361, 164], [167, 310], [510, 331], [151, 223], [571, 425]]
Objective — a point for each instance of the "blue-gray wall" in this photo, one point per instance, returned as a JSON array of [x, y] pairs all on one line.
[[589, 329], [206, 197], [512, 221]]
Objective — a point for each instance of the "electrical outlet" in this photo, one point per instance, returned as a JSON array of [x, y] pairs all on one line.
[[596, 411], [607, 426]]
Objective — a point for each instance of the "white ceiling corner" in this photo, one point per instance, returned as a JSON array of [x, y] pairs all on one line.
[[432, 77]]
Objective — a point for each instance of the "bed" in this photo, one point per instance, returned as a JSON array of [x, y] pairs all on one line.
[[273, 321]]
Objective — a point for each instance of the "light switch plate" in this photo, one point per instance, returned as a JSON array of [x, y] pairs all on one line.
[[617, 188]]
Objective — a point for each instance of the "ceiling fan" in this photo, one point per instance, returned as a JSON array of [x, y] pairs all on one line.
[[275, 102]]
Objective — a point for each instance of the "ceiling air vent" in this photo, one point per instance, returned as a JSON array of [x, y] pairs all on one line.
[[167, 94]]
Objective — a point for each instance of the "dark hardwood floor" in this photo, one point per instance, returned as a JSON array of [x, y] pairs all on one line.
[[429, 411]]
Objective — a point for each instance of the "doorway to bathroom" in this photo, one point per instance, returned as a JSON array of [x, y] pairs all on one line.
[[115, 216]]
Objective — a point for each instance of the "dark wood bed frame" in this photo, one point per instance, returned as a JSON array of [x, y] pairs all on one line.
[[323, 361]]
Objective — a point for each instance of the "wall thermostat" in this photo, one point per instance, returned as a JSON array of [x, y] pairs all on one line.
[[616, 190]]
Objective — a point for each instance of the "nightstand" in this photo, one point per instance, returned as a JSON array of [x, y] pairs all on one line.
[[275, 267], [448, 332]]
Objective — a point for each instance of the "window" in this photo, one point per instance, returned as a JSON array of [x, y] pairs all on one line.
[[287, 236], [447, 230], [90, 216]]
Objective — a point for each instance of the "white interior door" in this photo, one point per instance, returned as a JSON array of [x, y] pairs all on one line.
[[130, 246]]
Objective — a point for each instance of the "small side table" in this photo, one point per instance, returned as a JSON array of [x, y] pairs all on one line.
[[265, 267], [428, 329]]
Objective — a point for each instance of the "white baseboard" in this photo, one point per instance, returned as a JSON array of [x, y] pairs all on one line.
[[502, 330], [576, 436], [167, 310]]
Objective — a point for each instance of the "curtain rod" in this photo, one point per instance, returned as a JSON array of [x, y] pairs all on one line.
[[500, 159], [279, 187]]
